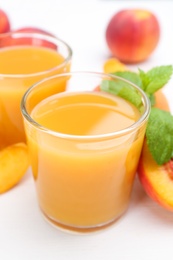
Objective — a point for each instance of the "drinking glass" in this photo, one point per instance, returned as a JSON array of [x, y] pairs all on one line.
[[26, 58], [84, 147]]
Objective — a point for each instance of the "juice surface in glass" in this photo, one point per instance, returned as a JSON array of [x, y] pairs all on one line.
[[20, 68], [84, 182], [28, 59]]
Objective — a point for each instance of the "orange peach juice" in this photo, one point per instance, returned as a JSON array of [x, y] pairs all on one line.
[[21, 67], [83, 172]]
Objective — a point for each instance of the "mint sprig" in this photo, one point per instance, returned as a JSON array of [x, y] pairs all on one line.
[[155, 78], [159, 132], [130, 76], [150, 81], [124, 90]]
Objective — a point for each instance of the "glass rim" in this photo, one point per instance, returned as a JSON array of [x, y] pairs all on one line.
[[118, 133], [42, 36]]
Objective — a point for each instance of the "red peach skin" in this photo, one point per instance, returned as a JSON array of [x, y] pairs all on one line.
[[4, 22], [132, 35], [157, 180]]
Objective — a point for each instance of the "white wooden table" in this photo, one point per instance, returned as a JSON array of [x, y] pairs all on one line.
[[146, 230]]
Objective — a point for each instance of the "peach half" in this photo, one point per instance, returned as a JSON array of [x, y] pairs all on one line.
[[155, 179]]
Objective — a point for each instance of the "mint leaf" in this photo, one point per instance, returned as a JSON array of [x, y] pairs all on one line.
[[159, 134], [156, 78], [124, 90], [130, 76]]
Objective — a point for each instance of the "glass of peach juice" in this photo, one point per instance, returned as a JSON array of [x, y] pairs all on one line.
[[84, 148], [26, 58]]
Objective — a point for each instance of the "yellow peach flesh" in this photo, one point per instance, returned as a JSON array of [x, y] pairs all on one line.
[[14, 161]]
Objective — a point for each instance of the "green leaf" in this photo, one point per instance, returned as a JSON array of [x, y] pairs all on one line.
[[130, 76], [159, 132], [159, 135], [156, 78], [124, 90]]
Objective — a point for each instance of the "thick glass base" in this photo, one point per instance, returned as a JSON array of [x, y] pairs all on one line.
[[80, 230]]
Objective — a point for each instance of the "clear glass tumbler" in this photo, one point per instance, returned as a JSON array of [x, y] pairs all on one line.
[[26, 58], [84, 147]]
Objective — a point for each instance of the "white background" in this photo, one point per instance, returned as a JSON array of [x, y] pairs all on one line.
[[146, 230]]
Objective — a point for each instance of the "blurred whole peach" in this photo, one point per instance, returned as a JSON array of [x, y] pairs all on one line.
[[4, 22], [10, 40], [33, 30], [132, 35]]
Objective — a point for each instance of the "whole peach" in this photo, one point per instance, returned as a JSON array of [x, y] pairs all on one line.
[[132, 35], [13, 41], [38, 42], [4, 22]]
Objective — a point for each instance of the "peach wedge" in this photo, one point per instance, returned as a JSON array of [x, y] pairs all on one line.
[[14, 161], [157, 180]]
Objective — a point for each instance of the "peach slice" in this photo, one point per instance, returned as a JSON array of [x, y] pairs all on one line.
[[156, 179], [14, 161], [113, 65]]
